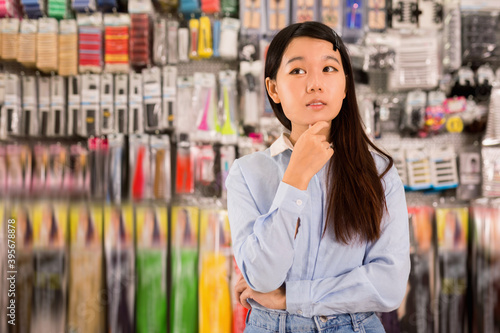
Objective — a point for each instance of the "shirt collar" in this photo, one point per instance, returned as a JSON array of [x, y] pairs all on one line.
[[281, 144]]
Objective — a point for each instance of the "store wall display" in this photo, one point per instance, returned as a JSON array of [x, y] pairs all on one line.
[[144, 106]]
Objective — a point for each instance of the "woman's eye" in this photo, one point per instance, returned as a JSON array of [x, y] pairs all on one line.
[[329, 69], [297, 71]]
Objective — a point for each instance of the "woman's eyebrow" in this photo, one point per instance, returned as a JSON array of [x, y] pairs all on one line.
[[327, 57]]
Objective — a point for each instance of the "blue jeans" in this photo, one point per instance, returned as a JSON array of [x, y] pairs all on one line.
[[259, 321]]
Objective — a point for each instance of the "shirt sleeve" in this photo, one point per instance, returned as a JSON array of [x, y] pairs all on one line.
[[377, 285], [263, 242]]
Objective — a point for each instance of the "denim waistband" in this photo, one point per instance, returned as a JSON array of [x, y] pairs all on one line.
[[285, 322]]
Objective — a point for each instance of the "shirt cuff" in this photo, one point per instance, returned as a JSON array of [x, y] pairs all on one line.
[[298, 298], [290, 198]]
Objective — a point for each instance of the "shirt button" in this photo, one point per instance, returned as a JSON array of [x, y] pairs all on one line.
[[299, 312], [298, 202]]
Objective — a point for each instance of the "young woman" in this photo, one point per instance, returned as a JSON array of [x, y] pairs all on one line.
[[319, 222]]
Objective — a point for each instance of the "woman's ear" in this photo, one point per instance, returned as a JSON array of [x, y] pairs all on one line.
[[272, 91]]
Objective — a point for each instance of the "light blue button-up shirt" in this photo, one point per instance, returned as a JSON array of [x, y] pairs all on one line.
[[322, 276]]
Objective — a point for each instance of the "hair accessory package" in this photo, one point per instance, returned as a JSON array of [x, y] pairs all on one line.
[[120, 267], [151, 266], [86, 311], [50, 259], [184, 297], [214, 271]]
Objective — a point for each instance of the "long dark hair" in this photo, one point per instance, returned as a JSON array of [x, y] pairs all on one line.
[[356, 200]]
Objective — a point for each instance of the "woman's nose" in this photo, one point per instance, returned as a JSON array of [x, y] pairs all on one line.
[[314, 84]]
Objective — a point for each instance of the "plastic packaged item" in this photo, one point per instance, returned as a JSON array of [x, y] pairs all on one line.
[[139, 40], [47, 45], [228, 48], [184, 296], [50, 262], [215, 313], [160, 42], [228, 102], [173, 42], [205, 47], [90, 43], [210, 6], [331, 14], [26, 46], [120, 267], [11, 112], [74, 106], [194, 38], [22, 213], [205, 169], [10, 38], [116, 41], [90, 105], [44, 105], [251, 14], [140, 171], [185, 167], [30, 106], [135, 117], [58, 104], [152, 92], [116, 169], [121, 103], [278, 14], [169, 90], [452, 225], [189, 7], [85, 268], [491, 171], [420, 293], [68, 46], [304, 10], [161, 168], [185, 92], [229, 7], [354, 20], [419, 169], [107, 104], [249, 74], [470, 174], [151, 259], [444, 172], [205, 106], [183, 45]]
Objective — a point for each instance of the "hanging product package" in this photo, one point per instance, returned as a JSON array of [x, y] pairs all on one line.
[[169, 91], [140, 172], [116, 41], [68, 46], [205, 105], [10, 38], [416, 315], [214, 272], [116, 165], [107, 105], [120, 268], [86, 311], [452, 233], [152, 92], [184, 294], [228, 98], [47, 45], [21, 213], [50, 259], [160, 167], [26, 52], [151, 262], [90, 43]]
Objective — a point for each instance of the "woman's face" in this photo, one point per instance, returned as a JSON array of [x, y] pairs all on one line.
[[310, 83]]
